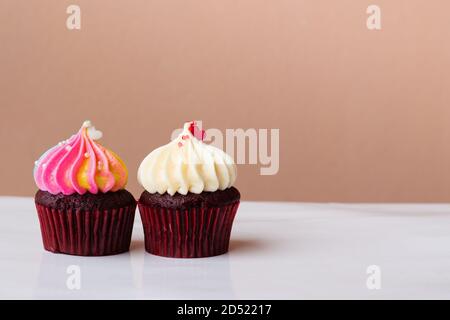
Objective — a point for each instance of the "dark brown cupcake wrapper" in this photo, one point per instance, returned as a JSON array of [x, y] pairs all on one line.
[[187, 233], [86, 233]]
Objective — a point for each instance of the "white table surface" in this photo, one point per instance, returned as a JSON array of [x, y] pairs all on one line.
[[277, 251]]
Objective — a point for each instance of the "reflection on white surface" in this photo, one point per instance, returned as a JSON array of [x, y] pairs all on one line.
[[97, 277], [277, 251], [166, 278]]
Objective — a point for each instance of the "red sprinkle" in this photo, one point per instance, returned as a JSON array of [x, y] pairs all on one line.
[[185, 137], [180, 144], [196, 132]]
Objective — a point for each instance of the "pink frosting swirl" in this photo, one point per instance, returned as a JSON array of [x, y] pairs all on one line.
[[79, 165]]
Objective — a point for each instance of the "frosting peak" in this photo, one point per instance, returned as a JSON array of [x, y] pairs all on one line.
[[79, 165], [186, 164]]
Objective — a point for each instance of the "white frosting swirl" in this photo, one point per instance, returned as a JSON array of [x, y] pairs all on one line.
[[185, 165]]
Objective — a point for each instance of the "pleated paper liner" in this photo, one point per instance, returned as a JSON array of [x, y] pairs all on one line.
[[188, 233], [86, 233]]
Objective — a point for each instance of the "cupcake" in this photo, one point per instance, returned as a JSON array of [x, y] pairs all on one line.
[[189, 203], [82, 205]]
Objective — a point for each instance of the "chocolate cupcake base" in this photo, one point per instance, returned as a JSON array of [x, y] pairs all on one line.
[[86, 225], [188, 226]]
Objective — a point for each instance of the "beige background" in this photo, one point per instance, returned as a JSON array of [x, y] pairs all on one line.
[[363, 115]]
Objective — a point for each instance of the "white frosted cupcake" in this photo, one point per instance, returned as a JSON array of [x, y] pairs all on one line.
[[189, 202]]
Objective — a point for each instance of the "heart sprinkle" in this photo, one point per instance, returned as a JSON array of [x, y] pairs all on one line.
[[196, 131]]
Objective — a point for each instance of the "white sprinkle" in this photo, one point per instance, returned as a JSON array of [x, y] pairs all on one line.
[[94, 133], [68, 148], [36, 163], [86, 155], [44, 164], [87, 124]]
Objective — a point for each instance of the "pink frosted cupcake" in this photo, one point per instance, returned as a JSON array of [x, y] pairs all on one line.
[[82, 205], [189, 202]]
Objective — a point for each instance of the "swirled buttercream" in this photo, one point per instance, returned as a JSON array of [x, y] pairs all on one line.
[[79, 165], [186, 164]]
